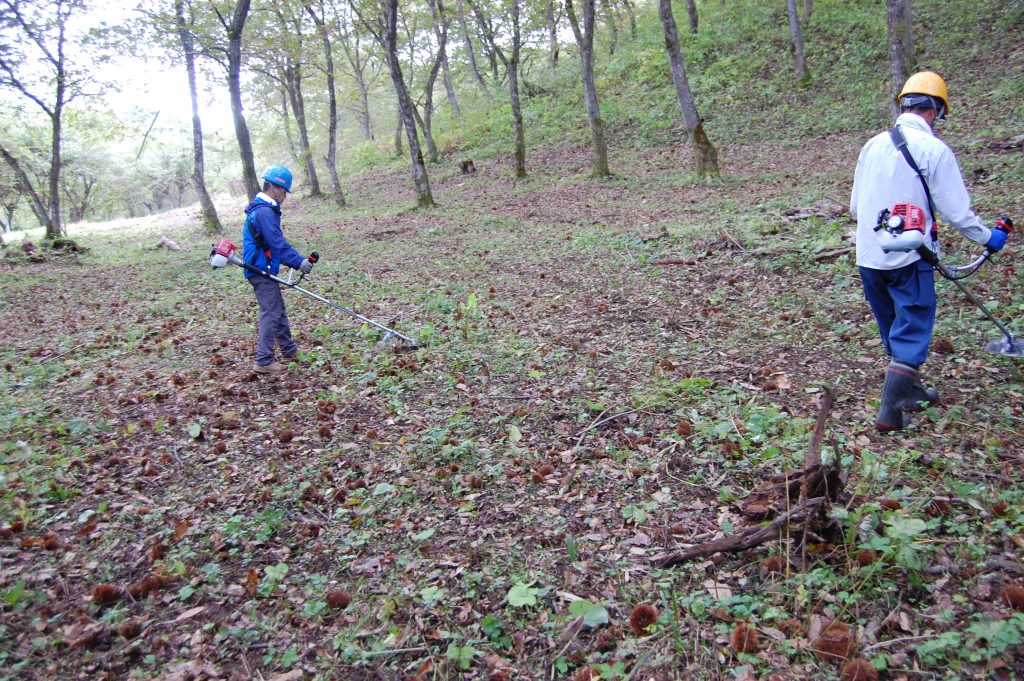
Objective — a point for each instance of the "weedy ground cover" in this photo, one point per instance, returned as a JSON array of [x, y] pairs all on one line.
[[608, 368]]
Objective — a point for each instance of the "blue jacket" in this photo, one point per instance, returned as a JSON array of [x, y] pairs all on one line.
[[263, 218]]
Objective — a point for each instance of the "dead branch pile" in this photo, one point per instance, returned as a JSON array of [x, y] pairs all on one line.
[[798, 500]]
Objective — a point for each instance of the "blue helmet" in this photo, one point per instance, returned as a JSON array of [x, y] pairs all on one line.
[[280, 176]]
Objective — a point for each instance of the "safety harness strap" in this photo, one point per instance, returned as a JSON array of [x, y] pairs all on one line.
[[260, 243], [901, 144]]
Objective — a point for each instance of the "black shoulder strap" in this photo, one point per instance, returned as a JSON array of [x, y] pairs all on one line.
[[258, 238], [901, 143]]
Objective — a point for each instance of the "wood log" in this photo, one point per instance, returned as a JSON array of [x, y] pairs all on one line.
[[168, 244], [752, 536]]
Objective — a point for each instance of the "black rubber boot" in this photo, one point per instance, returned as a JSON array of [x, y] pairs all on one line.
[[896, 392], [920, 397]]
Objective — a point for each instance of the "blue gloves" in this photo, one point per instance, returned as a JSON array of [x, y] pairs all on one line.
[[997, 240], [1004, 226]]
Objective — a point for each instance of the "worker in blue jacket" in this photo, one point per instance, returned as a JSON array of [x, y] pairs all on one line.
[[266, 248]]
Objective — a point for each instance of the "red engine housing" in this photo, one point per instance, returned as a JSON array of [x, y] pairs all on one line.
[[913, 216]]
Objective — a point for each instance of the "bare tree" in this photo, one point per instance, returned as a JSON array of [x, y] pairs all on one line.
[[234, 25], [705, 154], [363, 69], [585, 41], [292, 26], [210, 220], [511, 63], [613, 25], [691, 13], [442, 22], [423, 122], [551, 18], [470, 53], [33, 61], [899, 21], [384, 28], [317, 15], [10, 197], [428, 98], [802, 76]]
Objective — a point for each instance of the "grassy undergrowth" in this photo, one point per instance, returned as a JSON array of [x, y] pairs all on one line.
[[608, 369]]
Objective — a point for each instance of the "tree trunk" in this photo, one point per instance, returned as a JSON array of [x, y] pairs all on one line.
[[513, 88], [234, 31], [899, 22], [428, 104], [35, 201], [332, 104], [293, 75], [512, 70], [364, 113], [552, 23], [55, 228], [399, 127], [632, 18], [585, 41], [470, 54], [808, 8], [211, 222], [802, 76], [493, 60], [613, 26], [286, 122], [441, 24], [419, 169], [691, 13], [705, 154]]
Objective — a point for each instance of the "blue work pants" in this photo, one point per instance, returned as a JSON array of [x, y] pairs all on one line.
[[903, 302]]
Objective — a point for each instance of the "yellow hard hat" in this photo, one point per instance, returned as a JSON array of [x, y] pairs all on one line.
[[926, 83]]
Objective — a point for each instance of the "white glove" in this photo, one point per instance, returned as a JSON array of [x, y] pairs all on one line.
[[306, 267]]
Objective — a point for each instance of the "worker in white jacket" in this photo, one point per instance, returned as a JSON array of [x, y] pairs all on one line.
[[899, 285]]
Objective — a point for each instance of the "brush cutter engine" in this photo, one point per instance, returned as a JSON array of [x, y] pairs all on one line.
[[902, 228], [223, 254]]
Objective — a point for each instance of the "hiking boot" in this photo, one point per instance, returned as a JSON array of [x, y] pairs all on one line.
[[896, 393], [273, 368]]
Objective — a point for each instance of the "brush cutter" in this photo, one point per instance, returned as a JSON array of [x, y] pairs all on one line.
[[224, 254], [903, 229]]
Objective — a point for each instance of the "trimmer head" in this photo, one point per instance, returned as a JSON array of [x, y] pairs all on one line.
[[397, 344], [1006, 346]]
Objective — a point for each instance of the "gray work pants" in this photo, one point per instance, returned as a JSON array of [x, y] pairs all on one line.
[[273, 326]]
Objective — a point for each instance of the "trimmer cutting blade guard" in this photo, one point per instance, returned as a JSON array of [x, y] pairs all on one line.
[[1006, 346]]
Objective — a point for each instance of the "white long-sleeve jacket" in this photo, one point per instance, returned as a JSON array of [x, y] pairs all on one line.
[[884, 178]]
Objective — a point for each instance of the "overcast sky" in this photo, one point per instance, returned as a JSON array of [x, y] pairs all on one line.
[[148, 86]]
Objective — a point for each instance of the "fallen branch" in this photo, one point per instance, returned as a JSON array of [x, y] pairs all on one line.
[[834, 253], [822, 481], [728, 236], [167, 243], [813, 458], [674, 261], [750, 537]]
